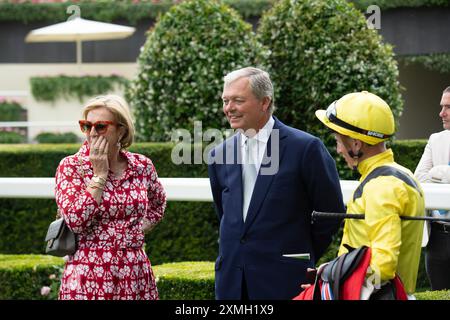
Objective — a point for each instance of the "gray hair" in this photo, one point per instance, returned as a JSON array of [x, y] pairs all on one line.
[[447, 90], [260, 83]]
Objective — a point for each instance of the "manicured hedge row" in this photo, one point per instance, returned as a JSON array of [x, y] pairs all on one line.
[[29, 160], [185, 280], [132, 12], [57, 137], [27, 12], [11, 137], [433, 295], [22, 277]]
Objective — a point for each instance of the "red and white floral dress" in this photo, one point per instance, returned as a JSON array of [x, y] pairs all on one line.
[[110, 262]]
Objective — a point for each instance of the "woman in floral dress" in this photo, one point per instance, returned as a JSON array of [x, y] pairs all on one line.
[[107, 197]]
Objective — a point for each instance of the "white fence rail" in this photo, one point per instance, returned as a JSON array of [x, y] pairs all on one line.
[[437, 196]]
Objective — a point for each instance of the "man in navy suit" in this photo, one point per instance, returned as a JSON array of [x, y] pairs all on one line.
[[266, 180]]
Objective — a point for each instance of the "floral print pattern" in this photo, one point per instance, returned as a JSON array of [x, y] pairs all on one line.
[[110, 262]]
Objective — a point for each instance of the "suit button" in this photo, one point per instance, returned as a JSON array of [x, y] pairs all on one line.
[[243, 240]]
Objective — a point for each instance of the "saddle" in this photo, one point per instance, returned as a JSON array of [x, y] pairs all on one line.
[[338, 270], [343, 278]]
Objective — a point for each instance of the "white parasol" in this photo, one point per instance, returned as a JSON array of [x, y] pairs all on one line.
[[79, 30]]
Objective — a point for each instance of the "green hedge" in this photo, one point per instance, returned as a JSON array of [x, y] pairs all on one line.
[[408, 152], [185, 280], [320, 51], [11, 137], [51, 88], [52, 137], [28, 160], [435, 62], [23, 276], [10, 110], [110, 10], [391, 4], [433, 295]]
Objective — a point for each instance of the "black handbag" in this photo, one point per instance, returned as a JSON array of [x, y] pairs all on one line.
[[61, 241]]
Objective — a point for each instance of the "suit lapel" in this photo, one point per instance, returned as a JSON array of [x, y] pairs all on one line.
[[264, 181], [234, 174]]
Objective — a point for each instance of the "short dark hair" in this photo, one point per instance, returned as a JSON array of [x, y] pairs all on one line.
[[447, 90]]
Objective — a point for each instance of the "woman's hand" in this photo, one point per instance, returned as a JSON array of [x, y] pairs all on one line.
[[99, 156], [147, 225]]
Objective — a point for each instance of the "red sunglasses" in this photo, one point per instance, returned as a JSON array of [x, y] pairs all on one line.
[[100, 126]]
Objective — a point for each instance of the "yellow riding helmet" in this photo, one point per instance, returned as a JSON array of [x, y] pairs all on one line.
[[360, 115]]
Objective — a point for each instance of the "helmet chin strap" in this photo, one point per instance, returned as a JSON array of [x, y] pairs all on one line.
[[355, 157]]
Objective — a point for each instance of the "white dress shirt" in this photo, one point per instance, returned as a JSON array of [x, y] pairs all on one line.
[[259, 148], [252, 152]]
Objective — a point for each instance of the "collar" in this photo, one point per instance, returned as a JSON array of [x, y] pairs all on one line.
[[263, 134], [366, 166]]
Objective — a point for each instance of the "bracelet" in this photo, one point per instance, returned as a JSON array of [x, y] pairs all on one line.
[[99, 179], [93, 186]]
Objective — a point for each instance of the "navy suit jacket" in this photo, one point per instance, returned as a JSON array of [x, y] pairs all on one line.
[[279, 216]]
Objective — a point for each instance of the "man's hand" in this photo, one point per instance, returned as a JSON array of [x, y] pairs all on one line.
[[310, 278]]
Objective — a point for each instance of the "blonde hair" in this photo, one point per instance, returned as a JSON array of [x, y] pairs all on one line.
[[121, 111]]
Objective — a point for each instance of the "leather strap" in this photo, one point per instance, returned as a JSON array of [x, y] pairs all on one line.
[[337, 277]]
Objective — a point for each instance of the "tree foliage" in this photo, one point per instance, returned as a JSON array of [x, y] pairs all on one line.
[[319, 51], [182, 65]]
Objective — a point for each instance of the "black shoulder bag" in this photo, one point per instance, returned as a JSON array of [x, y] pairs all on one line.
[[61, 241]]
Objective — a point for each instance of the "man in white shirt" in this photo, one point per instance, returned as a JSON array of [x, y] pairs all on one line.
[[434, 166], [265, 195]]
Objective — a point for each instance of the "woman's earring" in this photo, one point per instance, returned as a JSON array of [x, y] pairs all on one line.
[[119, 145]]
